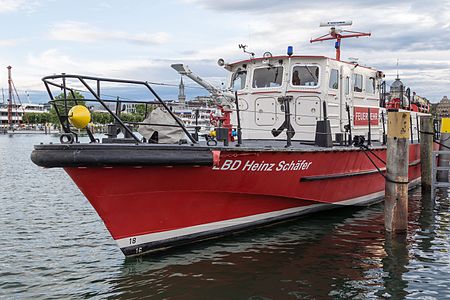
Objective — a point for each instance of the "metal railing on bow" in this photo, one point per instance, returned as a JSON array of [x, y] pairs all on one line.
[[93, 86]]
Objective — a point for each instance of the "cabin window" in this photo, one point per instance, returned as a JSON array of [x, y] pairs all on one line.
[[238, 80], [334, 79], [357, 83], [305, 76], [370, 85], [347, 85], [268, 77]]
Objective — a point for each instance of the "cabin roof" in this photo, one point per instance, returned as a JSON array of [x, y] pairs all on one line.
[[232, 65], [256, 59]]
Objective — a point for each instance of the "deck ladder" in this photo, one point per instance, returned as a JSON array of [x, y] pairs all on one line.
[[435, 169]]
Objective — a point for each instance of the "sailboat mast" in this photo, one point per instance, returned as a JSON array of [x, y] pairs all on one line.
[[10, 117]]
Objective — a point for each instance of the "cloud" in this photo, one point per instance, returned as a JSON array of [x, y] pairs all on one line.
[[404, 24], [413, 31], [105, 5], [9, 43], [83, 32], [54, 61], [51, 59], [15, 5], [11, 5], [270, 6], [236, 5]]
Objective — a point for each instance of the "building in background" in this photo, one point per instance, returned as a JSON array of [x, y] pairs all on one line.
[[18, 111], [443, 107], [181, 94]]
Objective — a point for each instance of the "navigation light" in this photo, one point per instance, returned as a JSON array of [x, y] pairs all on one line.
[[290, 50]]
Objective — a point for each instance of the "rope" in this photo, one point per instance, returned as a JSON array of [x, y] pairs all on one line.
[[364, 148], [440, 144], [444, 140], [373, 153], [427, 132], [435, 140]]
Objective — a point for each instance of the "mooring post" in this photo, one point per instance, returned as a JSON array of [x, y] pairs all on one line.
[[396, 193], [444, 159], [426, 150]]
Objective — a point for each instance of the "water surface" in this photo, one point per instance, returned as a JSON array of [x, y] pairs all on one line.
[[54, 246]]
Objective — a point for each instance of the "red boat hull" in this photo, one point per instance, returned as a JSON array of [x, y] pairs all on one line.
[[153, 207]]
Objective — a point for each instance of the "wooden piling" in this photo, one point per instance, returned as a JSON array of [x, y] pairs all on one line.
[[396, 192], [426, 150]]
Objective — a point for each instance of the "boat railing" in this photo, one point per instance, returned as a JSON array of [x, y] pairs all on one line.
[[92, 86], [70, 86]]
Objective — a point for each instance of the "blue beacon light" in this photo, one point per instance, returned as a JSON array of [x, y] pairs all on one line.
[[290, 50]]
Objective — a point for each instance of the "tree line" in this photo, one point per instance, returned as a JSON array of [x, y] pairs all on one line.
[[96, 117]]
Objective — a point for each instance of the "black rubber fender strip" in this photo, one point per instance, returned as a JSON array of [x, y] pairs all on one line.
[[51, 158]]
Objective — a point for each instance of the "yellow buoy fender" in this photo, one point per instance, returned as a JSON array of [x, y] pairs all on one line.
[[79, 116]]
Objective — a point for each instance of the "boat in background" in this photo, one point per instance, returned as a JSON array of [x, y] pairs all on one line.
[[196, 116], [296, 134], [13, 111]]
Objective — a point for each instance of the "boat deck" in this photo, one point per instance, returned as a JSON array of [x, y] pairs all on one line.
[[247, 145]]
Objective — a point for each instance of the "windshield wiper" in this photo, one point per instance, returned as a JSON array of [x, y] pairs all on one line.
[[312, 75]]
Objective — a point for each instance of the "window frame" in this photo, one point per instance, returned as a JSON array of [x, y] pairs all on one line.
[[374, 84], [305, 86], [337, 79], [353, 83], [232, 81], [269, 87]]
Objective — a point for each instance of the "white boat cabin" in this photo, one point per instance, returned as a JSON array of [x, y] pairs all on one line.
[[313, 82]]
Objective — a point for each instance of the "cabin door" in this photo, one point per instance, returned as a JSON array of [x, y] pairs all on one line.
[[345, 98], [307, 112], [332, 98], [265, 112]]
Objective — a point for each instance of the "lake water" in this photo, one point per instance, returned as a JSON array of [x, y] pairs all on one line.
[[54, 246]]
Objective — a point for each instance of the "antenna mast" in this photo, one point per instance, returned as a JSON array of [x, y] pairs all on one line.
[[336, 33], [9, 98]]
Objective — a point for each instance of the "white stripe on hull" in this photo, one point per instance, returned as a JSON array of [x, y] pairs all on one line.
[[164, 235], [134, 241]]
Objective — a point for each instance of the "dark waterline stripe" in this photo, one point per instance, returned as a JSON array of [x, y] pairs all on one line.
[[344, 175]]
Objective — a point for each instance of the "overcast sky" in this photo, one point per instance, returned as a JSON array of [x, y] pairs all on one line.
[[140, 39]]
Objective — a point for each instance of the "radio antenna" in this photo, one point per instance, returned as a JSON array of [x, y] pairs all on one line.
[[336, 33], [244, 48]]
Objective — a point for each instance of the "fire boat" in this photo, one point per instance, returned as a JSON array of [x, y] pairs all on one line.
[[296, 134]]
